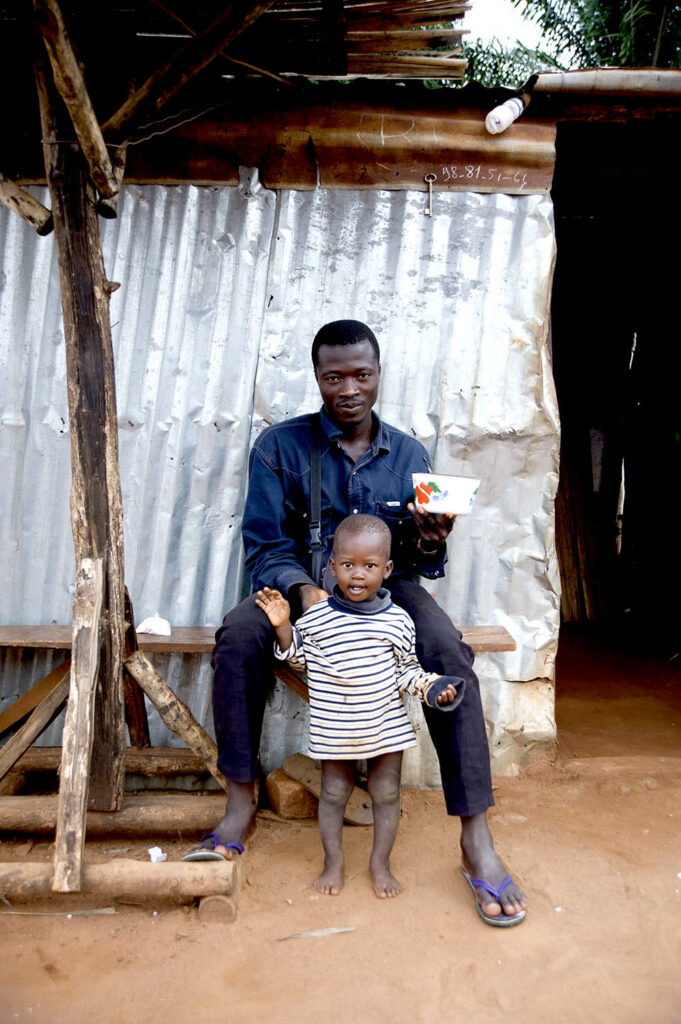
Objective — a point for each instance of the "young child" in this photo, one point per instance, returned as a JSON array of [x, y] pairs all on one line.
[[358, 650]]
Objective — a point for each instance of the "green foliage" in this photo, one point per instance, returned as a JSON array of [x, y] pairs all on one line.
[[609, 33], [582, 34], [493, 64]]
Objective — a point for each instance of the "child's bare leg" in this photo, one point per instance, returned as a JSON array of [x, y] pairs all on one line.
[[337, 783], [384, 789]]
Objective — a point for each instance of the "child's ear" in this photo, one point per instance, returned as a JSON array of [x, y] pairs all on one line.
[[388, 568], [332, 565]]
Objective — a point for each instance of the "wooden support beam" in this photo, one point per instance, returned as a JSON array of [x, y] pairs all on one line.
[[151, 762], [70, 83], [174, 714], [96, 506], [24, 704], [48, 708], [28, 208], [187, 62], [133, 879], [78, 727], [141, 816]]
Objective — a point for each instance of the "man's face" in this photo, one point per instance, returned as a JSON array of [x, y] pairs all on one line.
[[360, 563], [348, 377]]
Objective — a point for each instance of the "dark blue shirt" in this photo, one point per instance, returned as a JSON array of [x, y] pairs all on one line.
[[277, 514]]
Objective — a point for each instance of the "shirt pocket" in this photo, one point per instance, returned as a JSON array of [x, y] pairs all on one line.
[[403, 529]]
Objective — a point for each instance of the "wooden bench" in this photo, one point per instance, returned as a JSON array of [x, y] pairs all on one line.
[[201, 640]]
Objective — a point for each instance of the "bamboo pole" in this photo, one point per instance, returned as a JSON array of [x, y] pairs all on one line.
[[187, 62], [78, 728], [96, 507], [174, 714], [70, 84], [28, 208]]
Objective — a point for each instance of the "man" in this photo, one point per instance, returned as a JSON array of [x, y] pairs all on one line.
[[366, 467]]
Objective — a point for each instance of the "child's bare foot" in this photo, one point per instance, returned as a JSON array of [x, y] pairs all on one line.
[[385, 885], [330, 882]]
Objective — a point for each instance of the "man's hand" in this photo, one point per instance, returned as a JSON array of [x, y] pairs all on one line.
[[309, 595], [433, 530], [275, 606]]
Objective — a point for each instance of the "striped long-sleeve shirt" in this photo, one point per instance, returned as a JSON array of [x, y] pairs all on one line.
[[358, 665]]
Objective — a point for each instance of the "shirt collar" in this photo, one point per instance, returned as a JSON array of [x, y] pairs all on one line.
[[380, 443], [379, 603]]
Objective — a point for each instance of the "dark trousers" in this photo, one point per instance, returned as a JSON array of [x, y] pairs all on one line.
[[242, 677]]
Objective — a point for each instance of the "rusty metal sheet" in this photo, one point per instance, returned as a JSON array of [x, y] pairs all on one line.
[[355, 146]]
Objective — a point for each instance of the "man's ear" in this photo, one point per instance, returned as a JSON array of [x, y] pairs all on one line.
[[332, 565], [388, 568]]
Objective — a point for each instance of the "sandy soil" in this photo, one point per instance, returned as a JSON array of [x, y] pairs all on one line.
[[594, 839]]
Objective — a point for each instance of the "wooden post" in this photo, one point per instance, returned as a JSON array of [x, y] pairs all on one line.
[[96, 508], [174, 714], [135, 708], [71, 86], [23, 203], [78, 728]]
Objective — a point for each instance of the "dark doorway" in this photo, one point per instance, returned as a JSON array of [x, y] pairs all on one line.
[[616, 344]]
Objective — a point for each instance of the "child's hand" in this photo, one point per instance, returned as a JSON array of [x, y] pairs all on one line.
[[447, 696], [275, 606]]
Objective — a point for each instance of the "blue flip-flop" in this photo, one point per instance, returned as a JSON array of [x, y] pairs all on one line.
[[501, 920], [203, 852]]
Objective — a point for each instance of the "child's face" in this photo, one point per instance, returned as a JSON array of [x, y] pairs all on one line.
[[360, 563]]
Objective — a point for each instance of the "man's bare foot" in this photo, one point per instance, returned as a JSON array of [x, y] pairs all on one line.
[[238, 822], [330, 882], [385, 884], [481, 861]]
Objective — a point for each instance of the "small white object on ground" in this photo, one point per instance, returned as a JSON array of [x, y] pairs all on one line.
[[154, 624], [156, 855]]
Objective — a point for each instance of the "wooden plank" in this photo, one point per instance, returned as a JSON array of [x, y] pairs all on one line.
[[135, 879], [147, 761], [39, 720], [70, 84], [96, 505], [201, 639], [140, 816], [24, 704], [174, 714], [28, 208], [78, 728], [185, 64]]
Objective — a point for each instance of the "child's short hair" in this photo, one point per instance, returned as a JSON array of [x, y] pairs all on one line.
[[363, 524]]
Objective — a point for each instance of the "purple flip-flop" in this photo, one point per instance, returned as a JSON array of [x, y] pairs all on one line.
[[204, 852], [501, 920]]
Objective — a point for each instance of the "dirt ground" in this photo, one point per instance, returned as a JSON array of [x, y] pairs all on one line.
[[593, 838]]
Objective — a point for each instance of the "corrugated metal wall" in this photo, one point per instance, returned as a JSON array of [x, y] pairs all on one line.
[[222, 290]]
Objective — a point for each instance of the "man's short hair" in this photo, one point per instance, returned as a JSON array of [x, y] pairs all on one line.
[[363, 524], [344, 332]]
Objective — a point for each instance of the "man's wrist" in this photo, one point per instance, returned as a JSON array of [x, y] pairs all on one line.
[[429, 549]]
